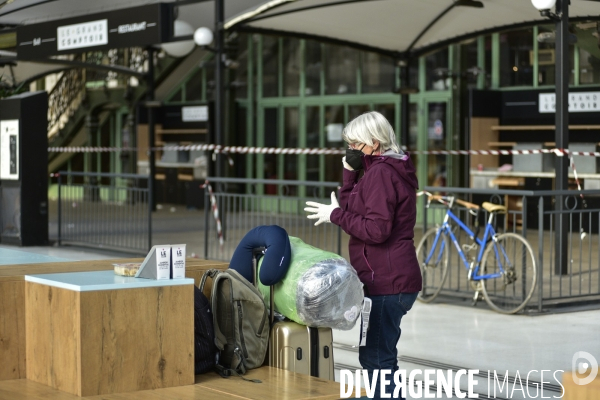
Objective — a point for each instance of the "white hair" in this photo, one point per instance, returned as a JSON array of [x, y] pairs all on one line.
[[371, 126]]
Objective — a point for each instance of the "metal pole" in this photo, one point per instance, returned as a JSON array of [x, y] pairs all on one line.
[[404, 105], [206, 206], [150, 200], [561, 135], [59, 208], [219, 75], [151, 132], [540, 271]]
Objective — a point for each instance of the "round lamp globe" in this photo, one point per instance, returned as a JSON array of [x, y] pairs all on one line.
[[203, 36], [543, 4], [181, 48]]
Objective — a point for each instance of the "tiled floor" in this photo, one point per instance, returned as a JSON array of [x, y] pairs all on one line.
[[475, 338]]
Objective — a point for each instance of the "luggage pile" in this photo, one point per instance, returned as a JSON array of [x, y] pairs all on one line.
[[314, 290]]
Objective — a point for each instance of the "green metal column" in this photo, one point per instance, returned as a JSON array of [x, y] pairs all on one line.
[[260, 115], [249, 111], [481, 62], [495, 61], [302, 140], [536, 67]]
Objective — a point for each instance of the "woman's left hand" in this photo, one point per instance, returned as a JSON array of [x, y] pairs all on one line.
[[322, 212]]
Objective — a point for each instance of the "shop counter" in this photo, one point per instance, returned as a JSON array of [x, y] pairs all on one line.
[[92, 333], [576, 391], [12, 302]]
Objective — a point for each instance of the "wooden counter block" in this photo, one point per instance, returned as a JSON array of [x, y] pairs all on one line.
[[591, 391], [12, 330], [12, 302], [109, 341]]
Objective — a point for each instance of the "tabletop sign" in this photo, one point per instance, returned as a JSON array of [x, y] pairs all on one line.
[[178, 260], [157, 264], [9, 149], [132, 27]]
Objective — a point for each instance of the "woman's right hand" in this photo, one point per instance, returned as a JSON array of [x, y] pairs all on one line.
[[346, 165]]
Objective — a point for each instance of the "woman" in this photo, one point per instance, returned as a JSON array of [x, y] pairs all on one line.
[[378, 211]]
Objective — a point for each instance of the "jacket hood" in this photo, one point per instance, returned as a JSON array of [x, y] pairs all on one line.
[[401, 162]]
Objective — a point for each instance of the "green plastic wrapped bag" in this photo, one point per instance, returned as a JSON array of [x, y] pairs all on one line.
[[320, 289]]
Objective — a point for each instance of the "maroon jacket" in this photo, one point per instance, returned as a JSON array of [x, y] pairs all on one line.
[[379, 213]]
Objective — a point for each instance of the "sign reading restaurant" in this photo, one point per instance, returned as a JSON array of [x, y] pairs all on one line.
[[578, 102], [134, 27]]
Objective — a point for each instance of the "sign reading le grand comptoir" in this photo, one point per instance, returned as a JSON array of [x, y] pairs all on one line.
[[133, 27], [578, 102]]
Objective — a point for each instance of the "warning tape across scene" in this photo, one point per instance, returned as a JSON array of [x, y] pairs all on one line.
[[311, 151]]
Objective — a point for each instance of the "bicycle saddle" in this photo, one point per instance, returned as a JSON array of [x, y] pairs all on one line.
[[491, 207]]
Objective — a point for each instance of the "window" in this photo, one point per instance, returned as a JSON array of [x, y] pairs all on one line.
[[291, 141], [270, 68], [356, 110], [389, 112], [436, 135], [488, 61], [469, 63], [312, 141], [291, 66], [176, 97], [340, 73], [378, 73], [516, 68], [313, 68], [546, 59], [436, 69], [270, 160], [589, 66], [193, 87], [334, 124], [413, 133], [240, 83]]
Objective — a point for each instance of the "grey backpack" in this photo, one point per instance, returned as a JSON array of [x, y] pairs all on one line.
[[241, 322]]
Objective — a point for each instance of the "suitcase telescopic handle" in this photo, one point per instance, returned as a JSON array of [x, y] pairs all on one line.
[[255, 253], [272, 305]]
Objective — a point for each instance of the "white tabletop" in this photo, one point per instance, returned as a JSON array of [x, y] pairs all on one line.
[[101, 280]]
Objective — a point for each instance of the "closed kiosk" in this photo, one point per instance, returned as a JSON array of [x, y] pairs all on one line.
[[24, 169]]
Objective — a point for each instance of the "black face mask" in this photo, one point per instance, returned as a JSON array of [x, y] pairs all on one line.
[[354, 158]]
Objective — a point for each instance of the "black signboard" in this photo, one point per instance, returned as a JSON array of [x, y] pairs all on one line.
[[132, 27]]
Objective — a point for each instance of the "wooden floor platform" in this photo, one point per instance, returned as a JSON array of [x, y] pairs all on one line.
[[276, 384]]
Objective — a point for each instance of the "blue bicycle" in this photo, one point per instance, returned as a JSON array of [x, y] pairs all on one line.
[[501, 267]]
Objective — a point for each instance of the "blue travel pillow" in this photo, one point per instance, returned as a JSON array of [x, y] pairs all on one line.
[[276, 259]]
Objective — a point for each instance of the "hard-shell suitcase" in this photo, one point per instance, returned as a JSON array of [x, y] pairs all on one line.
[[302, 349], [296, 347]]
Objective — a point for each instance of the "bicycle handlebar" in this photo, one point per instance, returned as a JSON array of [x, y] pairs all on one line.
[[448, 200]]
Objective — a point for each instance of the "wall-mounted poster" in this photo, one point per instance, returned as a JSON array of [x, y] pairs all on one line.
[[9, 149]]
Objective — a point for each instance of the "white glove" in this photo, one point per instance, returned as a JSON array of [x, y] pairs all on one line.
[[322, 212], [346, 165]]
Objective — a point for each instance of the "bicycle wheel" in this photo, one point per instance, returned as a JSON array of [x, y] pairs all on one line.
[[511, 255], [433, 272]]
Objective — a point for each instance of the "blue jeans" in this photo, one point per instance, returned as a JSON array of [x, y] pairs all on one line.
[[382, 337]]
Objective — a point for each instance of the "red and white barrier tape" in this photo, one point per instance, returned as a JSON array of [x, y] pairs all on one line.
[[215, 211], [311, 151], [572, 165]]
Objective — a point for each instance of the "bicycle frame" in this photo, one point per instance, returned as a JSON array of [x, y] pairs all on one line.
[[446, 229]]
